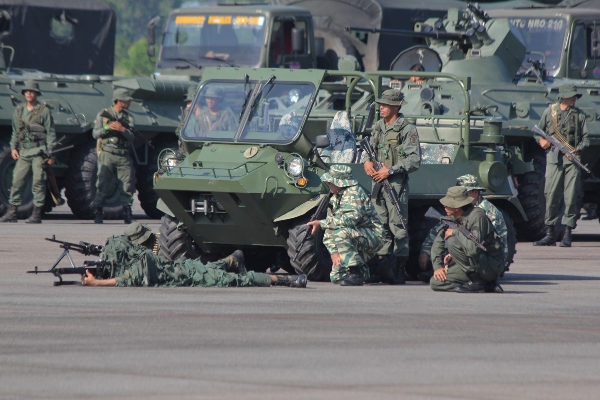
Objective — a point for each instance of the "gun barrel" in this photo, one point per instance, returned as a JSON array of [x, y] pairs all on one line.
[[404, 32]]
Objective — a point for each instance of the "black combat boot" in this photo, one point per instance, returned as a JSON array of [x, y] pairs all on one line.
[[11, 214], [493, 287], [566, 240], [235, 263], [128, 216], [381, 272], [399, 274], [475, 284], [547, 240], [298, 281], [36, 216], [355, 277], [99, 218]]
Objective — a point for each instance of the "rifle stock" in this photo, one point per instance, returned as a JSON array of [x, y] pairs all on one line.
[[320, 208]]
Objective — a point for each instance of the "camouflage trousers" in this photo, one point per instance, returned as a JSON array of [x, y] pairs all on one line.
[[563, 183], [487, 267], [355, 246], [113, 167], [28, 168], [396, 238]]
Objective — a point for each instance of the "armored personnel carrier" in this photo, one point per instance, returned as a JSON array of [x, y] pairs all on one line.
[[254, 185]]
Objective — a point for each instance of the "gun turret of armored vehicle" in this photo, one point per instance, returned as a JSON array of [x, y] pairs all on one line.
[[252, 176]]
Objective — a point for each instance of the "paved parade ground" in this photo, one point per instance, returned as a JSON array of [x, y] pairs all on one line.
[[538, 340]]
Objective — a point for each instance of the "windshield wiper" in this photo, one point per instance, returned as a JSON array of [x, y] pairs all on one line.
[[252, 99], [218, 60], [190, 62]]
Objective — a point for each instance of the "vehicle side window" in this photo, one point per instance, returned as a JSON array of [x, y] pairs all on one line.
[[578, 48]]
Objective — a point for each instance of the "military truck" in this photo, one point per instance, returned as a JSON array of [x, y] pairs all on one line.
[[492, 52], [76, 99], [255, 187]]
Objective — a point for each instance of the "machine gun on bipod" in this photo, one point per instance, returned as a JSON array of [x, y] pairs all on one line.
[[100, 269]]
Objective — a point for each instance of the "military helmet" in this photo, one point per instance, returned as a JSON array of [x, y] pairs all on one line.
[[121, 94], [215, 92], [456, 197], [339, 175], [137, 232], [568, 91], [31, 86], [392, 97], [469, 181]]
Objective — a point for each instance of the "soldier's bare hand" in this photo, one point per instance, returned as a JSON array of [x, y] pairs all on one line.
[[316, 225], [448, 233], [381, 174], [88, 279], [369, 169], [50, 161], [423, 260], [439, 274], [116, 126], [336, 260], [15, 154], [544, 143]]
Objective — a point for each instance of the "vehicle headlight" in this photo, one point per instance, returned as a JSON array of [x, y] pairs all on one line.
[[295, 166], [171, 162]]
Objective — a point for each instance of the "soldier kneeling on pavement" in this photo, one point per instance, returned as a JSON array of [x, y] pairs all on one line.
[[459, 265], [135, 263], [353, 230]]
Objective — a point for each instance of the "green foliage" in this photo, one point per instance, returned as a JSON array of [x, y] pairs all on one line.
[[132, 21]]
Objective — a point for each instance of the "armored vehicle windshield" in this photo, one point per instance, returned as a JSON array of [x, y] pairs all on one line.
[[217, 39], [266, 111]]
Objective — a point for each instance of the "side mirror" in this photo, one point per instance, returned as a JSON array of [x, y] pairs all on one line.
[[322, 141], [298, 41], [152, 30]]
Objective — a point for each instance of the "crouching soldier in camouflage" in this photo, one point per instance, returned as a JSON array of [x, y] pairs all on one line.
[[32, 131], [353, 230], [495, 216], [113, 155], [465, 268], [135, 264]]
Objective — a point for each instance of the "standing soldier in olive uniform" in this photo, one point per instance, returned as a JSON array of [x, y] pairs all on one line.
[[189, 98], [33, 130], [113, 155], [353, 230], [464, 267], [563, 177], [396, 143]]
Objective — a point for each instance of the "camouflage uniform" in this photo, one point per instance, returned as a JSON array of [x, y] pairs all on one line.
[[352, 227], [470, 261], [397, 147], [29, 142], [495, 216], [203, 121], [135, 265], [563, 177], [113, 156], [342, 143]]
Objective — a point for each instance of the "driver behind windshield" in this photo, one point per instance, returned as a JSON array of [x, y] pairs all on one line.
[[215, 115]]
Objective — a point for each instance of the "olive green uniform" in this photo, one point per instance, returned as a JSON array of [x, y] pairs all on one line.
[[563, 177], [114, 160], [204, 122], [397, 147], [466, 255], [29, 144]]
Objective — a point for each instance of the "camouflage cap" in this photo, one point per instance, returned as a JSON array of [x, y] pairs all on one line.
[[339, 175], [215, 92], [31, 86], [456, 197], [568, 91], [469, 181], [122, 94], [392, 97], [137, 232], [191, 92]]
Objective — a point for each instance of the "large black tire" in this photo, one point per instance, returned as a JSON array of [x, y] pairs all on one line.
[[314, 259], [7, 165], [419, 228], [174, 243], [511, 237], [145, 180], [531, 196], [80, 185]]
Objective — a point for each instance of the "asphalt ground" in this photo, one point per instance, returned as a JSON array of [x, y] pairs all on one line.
[[538, 340]]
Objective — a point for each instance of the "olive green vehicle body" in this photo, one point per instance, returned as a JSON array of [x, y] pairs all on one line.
[[251, 203]]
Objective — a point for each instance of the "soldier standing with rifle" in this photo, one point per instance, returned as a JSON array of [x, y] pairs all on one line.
[[33, 130], [114, 160], [396, 145], [566, 123]]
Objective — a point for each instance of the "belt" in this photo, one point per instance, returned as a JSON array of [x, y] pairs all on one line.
[[114, 150]]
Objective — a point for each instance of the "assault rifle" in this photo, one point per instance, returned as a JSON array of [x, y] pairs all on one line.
[[449, 222], [136, 133], [316, 215], [100, 269], [562, 147], [387, 186], [54, 190]]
